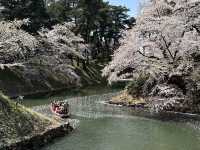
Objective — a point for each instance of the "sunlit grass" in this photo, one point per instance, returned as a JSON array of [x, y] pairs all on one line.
[[17, 121], [128, 99]]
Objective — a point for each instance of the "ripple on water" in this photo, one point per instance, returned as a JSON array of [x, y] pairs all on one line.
[[104, 127]]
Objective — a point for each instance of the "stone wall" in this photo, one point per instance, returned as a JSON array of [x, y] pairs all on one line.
[[37, 141]]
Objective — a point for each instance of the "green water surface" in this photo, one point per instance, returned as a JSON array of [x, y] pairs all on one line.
[[128, 134], [106, 127]]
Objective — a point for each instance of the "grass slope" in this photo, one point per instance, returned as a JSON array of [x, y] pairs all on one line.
[[17, 121]]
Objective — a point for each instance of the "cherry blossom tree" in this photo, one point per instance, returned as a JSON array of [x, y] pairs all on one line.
[[158, 42], [165, 45], [17, 45]]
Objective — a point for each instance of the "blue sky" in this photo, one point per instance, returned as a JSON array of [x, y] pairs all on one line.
[[133, 5]]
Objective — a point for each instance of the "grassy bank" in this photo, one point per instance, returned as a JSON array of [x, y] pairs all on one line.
[[17, 122], [126, 99]]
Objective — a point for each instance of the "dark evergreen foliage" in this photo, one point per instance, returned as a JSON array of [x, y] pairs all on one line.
[[97, 21], [21, 9]]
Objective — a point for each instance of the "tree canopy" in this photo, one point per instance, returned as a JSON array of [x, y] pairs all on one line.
[[21, 9], [164, 46], [98, 22]]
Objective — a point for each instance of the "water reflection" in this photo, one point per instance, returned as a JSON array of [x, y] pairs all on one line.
[[105, 127]]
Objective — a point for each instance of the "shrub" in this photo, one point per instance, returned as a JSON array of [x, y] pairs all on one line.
[[135, 88]]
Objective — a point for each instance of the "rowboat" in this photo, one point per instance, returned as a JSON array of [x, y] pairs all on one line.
[[59, 110]]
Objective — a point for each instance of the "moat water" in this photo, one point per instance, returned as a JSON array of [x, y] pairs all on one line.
[[107, 127]]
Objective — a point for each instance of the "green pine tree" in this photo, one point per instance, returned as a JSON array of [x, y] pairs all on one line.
[[20, 9]]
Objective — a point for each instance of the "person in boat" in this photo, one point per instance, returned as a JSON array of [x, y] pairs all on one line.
[[66, 108], [60, 107]]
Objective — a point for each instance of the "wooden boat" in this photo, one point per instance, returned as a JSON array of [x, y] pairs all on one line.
[[55, 109]]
